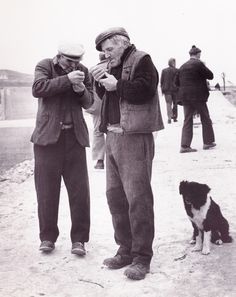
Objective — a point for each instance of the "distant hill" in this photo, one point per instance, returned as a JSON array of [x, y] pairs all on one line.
[[10, 78]]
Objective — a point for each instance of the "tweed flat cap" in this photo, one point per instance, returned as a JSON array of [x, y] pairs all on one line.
[[72, 51], [194, 50], [109, 33]]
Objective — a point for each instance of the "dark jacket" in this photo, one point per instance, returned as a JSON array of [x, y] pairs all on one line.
[[167, 80], [137, 90], [192, 82], [52, 86]]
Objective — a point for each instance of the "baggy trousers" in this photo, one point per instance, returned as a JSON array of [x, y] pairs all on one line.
[[129, 164], [187, 130], [67, 159]]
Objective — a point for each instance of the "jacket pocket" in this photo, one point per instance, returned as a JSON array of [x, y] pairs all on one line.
[[136, 118]]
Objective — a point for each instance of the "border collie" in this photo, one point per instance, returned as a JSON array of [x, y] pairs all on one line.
[[206, 217]]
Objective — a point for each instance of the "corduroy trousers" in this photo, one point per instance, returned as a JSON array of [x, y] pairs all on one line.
[[129, 194]]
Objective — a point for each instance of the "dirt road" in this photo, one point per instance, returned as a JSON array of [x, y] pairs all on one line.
[[175, 270]]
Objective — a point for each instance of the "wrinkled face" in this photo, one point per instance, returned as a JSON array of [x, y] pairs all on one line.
[[68, 64], [113, 51]]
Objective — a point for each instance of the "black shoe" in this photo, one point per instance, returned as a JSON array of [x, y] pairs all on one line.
[[99, 165], [169, 121], [209, 146], [175, 120], [118, 261], [47, 246], [78, 249], [187, 150], [137, 271]]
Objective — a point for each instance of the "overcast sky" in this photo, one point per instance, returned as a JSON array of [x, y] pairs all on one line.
[[30, 30]]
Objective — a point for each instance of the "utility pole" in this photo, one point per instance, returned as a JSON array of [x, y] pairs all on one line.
[[223, 77]]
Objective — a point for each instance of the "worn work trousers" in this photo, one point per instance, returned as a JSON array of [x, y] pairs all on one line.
[[67, 159], [187, 130], [129, 194]]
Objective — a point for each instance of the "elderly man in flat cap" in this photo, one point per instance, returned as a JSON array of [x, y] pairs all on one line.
[[63, 87], [193, 94], [130, 113]]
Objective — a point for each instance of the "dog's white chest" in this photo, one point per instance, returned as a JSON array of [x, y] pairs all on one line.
[[199, 215]]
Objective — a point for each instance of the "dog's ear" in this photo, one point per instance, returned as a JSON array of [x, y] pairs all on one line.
[[181, 186], [206, 189]]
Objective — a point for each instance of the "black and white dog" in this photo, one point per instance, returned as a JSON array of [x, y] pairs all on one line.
[[206, 217]]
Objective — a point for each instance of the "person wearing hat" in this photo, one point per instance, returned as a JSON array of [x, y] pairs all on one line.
[[193, 94], [63, 87], [130, 113], [169, 90]]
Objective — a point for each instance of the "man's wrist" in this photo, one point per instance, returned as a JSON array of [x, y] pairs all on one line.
[[78, 88]]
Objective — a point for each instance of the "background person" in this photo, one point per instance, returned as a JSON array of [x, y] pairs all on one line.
[[98, 143], [130, 113], [193, 94], [169, 90], [63, 87]]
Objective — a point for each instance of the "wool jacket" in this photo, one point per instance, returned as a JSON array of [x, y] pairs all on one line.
[[192, 82], [138, 97], [167, 80], [53, 89]]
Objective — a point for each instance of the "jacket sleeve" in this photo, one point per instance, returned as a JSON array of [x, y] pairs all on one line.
[[162, 79], [207, 74], [176, 79], [46, 86], [87, 96], [143, 85]]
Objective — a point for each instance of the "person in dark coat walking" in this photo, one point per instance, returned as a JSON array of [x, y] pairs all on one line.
[[169, 90], [63, 87], [193, 94]]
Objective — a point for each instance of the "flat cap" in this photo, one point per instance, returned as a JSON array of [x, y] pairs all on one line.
[[72, 51], [194, 50], [108, 34]]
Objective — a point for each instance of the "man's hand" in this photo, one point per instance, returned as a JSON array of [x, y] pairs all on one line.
[[98, 72], [78, 88], [76, 77], [109, 83]]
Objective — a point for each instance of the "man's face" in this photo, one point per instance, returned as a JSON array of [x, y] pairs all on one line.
[[67, 64], [113, 51]]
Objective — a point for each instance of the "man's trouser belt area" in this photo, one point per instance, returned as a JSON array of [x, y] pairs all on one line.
[[66, 126]]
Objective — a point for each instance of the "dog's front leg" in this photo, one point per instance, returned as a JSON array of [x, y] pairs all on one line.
[[198, 245], [206, 243]]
